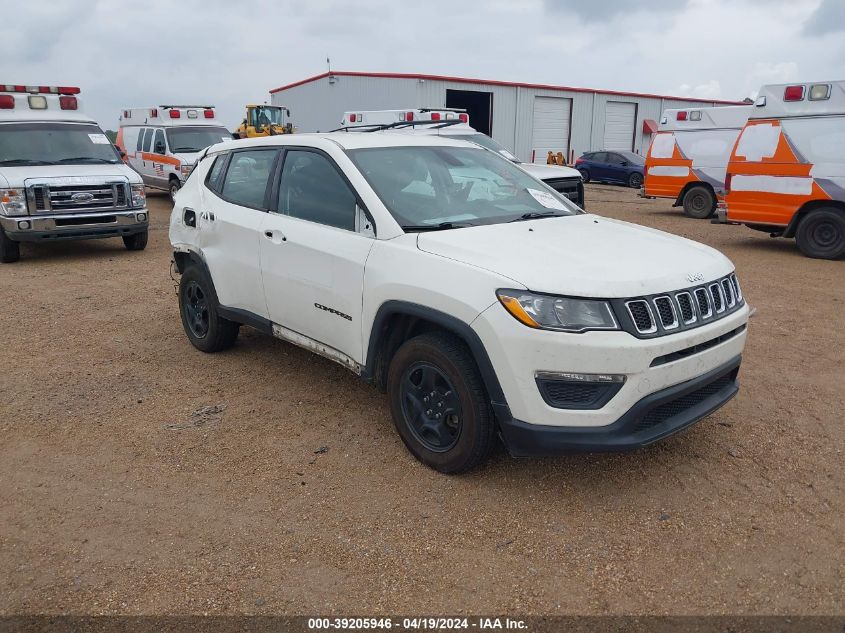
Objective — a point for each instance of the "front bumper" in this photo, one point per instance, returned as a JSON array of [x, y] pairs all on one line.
[[651, 419], [75, 226]]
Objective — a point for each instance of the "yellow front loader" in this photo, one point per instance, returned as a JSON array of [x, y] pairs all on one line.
[[264, 120]]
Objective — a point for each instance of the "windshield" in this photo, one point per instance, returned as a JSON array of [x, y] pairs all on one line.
[[195, 139], [266, 115], [54, 143], [437, 187], [631, 157], [485, 142]]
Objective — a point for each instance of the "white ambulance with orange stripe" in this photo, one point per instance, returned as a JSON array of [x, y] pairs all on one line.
[[786, 175], [689, 156], [60, 176], [162, 142]]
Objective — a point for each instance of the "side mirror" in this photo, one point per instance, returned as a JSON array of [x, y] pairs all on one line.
[[160, 148], [121, 152], [624, 163]]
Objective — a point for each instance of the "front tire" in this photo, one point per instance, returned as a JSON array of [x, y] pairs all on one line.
[[205, 328], [10, 251], [174, 188], [585, 175], [699, 203], [438, 403], [635, 180], [821, 234], [136, 241]]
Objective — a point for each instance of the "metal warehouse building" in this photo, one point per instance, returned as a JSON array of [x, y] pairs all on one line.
[[532, 119]]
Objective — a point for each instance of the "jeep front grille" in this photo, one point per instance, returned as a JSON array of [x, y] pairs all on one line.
[[688, 308]]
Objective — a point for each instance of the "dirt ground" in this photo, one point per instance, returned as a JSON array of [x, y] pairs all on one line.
[[140, 476]]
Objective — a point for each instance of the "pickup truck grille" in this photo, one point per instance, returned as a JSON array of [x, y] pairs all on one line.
[[685, 309], [572, 188], [77, 198]]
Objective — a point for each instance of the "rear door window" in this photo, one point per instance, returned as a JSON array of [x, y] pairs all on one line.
[[148, 139], [140, 142], [246, 178]]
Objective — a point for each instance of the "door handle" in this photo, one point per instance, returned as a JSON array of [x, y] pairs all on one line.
[[275, 236]]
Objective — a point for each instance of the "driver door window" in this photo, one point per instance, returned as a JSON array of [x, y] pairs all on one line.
[[312, 189], [159, 146]]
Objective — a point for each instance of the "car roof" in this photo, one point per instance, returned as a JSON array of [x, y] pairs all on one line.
[[345, 140]]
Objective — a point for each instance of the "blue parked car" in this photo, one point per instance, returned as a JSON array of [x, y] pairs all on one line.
[[612, 166]]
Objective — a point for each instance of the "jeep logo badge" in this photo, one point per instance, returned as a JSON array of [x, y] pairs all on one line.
[[693, 277], [82, 196]]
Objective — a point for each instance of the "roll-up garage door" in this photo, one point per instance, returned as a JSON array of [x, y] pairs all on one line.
[[619, 124], [551, 127]]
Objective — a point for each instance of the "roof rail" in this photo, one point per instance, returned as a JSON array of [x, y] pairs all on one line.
[[375, 127]]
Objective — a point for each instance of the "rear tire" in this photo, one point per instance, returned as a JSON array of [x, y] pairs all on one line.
[[205, 328], [438, 403], [635, 180], [821, 234], [10, 251], [585, 175], [699, 203], [136, 241]]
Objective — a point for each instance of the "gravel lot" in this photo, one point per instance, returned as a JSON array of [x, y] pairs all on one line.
[[140, 476]]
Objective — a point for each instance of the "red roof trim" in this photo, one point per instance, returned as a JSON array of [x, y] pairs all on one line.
[[512, 84]]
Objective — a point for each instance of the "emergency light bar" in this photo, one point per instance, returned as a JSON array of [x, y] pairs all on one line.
[[56, 90], [37, 101]]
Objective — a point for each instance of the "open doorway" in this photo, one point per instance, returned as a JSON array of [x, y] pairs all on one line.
[[478, 104]]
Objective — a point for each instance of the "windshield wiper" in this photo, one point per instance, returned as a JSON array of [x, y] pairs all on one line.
[[25, 161], [443, 226], [185, 149], [88, 159], [534, 215]]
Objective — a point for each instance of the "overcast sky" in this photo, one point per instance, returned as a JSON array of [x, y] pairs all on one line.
[[230, 53]]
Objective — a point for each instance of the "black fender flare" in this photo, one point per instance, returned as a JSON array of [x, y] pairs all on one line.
[[448, 322]]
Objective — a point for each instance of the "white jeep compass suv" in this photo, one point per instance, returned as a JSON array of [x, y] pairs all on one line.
[[481, 300]]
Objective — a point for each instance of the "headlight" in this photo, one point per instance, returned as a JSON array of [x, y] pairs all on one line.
[[558, 313], [186, 170], [139, 196], [12, 202]]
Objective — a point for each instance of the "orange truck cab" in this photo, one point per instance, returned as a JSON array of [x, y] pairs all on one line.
[[688, 157], [786, 175]]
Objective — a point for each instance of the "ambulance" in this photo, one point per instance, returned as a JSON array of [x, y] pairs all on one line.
[[786, 175], [454, 123], [689, 155], [162, 142], [60, 176]]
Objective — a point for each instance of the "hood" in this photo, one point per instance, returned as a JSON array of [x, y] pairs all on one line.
[[188, 158], [15, 176], [582, 256], [549, 172]]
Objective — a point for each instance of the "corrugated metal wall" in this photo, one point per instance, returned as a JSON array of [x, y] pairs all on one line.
[[320, 104]]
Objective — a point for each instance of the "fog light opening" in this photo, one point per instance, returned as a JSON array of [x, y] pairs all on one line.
[[24, 225], [141, 217]]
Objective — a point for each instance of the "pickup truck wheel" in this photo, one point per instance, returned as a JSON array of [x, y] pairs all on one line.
[[439, 404], [699, 203], [206, 329], [821, 234], [10, 251], [136, 241]]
